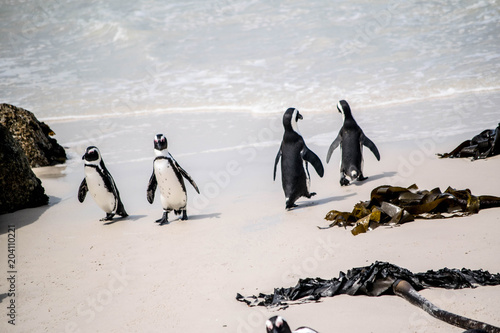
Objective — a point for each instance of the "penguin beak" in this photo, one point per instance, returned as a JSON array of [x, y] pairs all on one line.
[[157, 145], [299, 116]]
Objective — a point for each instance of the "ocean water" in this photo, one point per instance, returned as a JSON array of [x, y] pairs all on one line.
[[65, 59]]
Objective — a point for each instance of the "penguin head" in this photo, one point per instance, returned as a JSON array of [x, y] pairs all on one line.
[[291, 118], [344, 108], [160, 142], [277, 324], [92, 155]]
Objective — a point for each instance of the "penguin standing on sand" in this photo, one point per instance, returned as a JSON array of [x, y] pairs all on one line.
[[168, 174], [351, 140], [100, 184], [277, 324], [294, 158]]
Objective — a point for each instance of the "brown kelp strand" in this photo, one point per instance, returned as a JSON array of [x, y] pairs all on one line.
[[406, 291], [393, 205]]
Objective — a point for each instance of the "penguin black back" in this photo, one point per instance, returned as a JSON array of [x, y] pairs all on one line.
[[294, 156], [351, 139]]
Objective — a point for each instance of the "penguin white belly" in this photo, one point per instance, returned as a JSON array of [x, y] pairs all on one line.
[[101, 195], [172, 194]]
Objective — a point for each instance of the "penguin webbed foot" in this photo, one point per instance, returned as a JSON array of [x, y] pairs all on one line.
[[290, 204], [184, 216], [344, 181], [108, 217], [123, 214], [361, 178], [121, 210], [163, 220]]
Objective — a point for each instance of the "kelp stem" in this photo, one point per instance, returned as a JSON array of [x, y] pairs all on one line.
[[488, 201], [406, 291]]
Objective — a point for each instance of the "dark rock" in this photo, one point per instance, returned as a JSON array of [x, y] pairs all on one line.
[[33, 135], [19, 187]]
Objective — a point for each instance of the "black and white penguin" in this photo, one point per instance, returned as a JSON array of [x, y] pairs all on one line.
[[277, 324], [167, 173], [100, 184], [351, 140], [294, 158]]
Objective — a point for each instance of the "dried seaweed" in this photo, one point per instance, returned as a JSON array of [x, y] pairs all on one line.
[[374, 280], [393, 205], [383, 278], [483, 145]]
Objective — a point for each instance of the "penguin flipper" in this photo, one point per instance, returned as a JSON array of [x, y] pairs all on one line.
[[188, 177], [369, 143], [309, 156], [333, 146], [152, 188], [276, 163], [82, 190]]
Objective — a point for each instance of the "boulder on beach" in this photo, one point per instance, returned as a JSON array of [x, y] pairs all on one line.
[[33, 136], [19, 187]]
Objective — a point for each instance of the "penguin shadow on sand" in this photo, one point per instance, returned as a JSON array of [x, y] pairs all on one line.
[[205, 216], [125, 218], [386, 174], [323, 201]]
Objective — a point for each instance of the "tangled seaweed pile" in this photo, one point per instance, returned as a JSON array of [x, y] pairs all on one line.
[[383, 278], [374, 280], [393, 205], [483, 145]]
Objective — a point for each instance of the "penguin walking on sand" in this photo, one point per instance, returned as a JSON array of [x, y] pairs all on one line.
[[295, 157], [100, 184], [168, 174], [277, 324], [351, 140]]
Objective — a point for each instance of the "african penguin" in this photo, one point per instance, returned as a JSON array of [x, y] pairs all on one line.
[[99, 182], [295, 157], [351, 140], [167, 173], [277, 324]]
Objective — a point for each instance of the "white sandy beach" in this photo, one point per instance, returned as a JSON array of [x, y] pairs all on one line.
[[77, 274]]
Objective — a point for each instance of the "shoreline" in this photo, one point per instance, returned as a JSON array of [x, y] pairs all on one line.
[[256, 110]]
